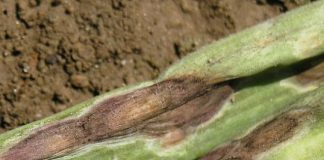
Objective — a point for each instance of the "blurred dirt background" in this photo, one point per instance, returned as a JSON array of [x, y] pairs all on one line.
[[56, 53]]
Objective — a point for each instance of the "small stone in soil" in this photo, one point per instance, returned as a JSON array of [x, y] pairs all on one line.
[[79, 81]]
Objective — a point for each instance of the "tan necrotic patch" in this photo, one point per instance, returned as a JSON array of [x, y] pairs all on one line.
[[309, 79], [262, 138], [313, 75], [166, 109]]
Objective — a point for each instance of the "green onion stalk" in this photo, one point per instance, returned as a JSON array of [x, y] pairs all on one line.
[[257, 94]]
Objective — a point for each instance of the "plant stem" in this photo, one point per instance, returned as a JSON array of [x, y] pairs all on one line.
[[234, 91]]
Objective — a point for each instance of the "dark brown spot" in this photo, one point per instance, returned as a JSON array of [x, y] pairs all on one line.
[[261, 139], [121, 115]]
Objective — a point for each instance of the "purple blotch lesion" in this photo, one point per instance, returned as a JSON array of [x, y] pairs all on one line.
[[181, 103]]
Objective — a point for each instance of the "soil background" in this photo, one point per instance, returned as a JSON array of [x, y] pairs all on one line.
[[57, 53]]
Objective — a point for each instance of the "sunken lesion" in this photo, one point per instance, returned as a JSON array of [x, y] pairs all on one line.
[[263, 138], [165, 109], [179, 121]]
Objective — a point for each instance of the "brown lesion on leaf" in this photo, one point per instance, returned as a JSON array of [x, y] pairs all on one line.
[[166, 109], [262, 138], [311, 76], [173, 137], [180, 120]]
